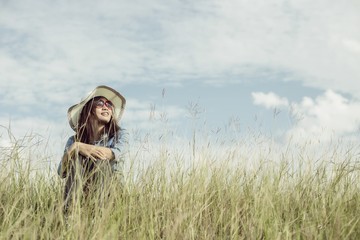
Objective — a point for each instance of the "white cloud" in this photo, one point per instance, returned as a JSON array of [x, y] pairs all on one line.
[[269, 100], [328, 116], [52, 53], [352, 44], [125, 41], [325, 117]]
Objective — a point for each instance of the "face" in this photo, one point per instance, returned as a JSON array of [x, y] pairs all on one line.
[[103, 110]]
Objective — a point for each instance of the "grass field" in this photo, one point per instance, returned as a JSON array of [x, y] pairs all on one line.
[[285, 195]]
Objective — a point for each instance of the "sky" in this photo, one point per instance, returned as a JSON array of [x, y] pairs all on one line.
[[287, 68]]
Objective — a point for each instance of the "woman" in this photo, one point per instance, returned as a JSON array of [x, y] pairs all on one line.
[[93, 157]]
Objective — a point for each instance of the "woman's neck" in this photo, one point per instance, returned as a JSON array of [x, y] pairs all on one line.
[[98, 130]]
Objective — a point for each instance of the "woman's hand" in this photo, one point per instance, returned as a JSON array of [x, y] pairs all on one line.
[[91, 151]]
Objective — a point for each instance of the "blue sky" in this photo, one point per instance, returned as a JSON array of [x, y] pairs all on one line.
[[290, 68]]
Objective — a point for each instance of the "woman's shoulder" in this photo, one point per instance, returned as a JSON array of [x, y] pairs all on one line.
[[71, 140], [121, 133], [120, 136]]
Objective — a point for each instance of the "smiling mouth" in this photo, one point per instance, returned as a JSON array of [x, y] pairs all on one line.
[[105, 114]]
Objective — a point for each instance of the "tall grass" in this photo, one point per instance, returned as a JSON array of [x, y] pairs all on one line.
[[219, 198]]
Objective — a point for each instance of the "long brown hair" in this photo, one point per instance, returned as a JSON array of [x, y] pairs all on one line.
[[87, 118]]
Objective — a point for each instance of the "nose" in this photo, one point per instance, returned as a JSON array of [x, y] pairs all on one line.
[[106, 107]]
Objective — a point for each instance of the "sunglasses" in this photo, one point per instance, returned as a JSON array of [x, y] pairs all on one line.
[[100, 103]]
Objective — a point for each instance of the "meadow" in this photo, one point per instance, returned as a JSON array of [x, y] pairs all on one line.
[[247, 190]]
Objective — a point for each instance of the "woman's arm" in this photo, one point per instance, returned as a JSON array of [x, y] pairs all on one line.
[[87, 150], [63, 166], [113, 152], [91, 151]]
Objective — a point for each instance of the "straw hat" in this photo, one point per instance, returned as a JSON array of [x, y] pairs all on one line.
[[101, 91]]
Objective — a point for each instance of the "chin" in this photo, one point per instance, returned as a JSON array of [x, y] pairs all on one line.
[[104, 121]]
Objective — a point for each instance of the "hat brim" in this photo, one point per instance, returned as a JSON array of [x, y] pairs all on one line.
[[101, 91]]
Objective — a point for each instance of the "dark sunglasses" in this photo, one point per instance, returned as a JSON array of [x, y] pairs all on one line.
[[100, 103]]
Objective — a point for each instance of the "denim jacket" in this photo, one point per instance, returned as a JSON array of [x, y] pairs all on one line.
[[117, 145]]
